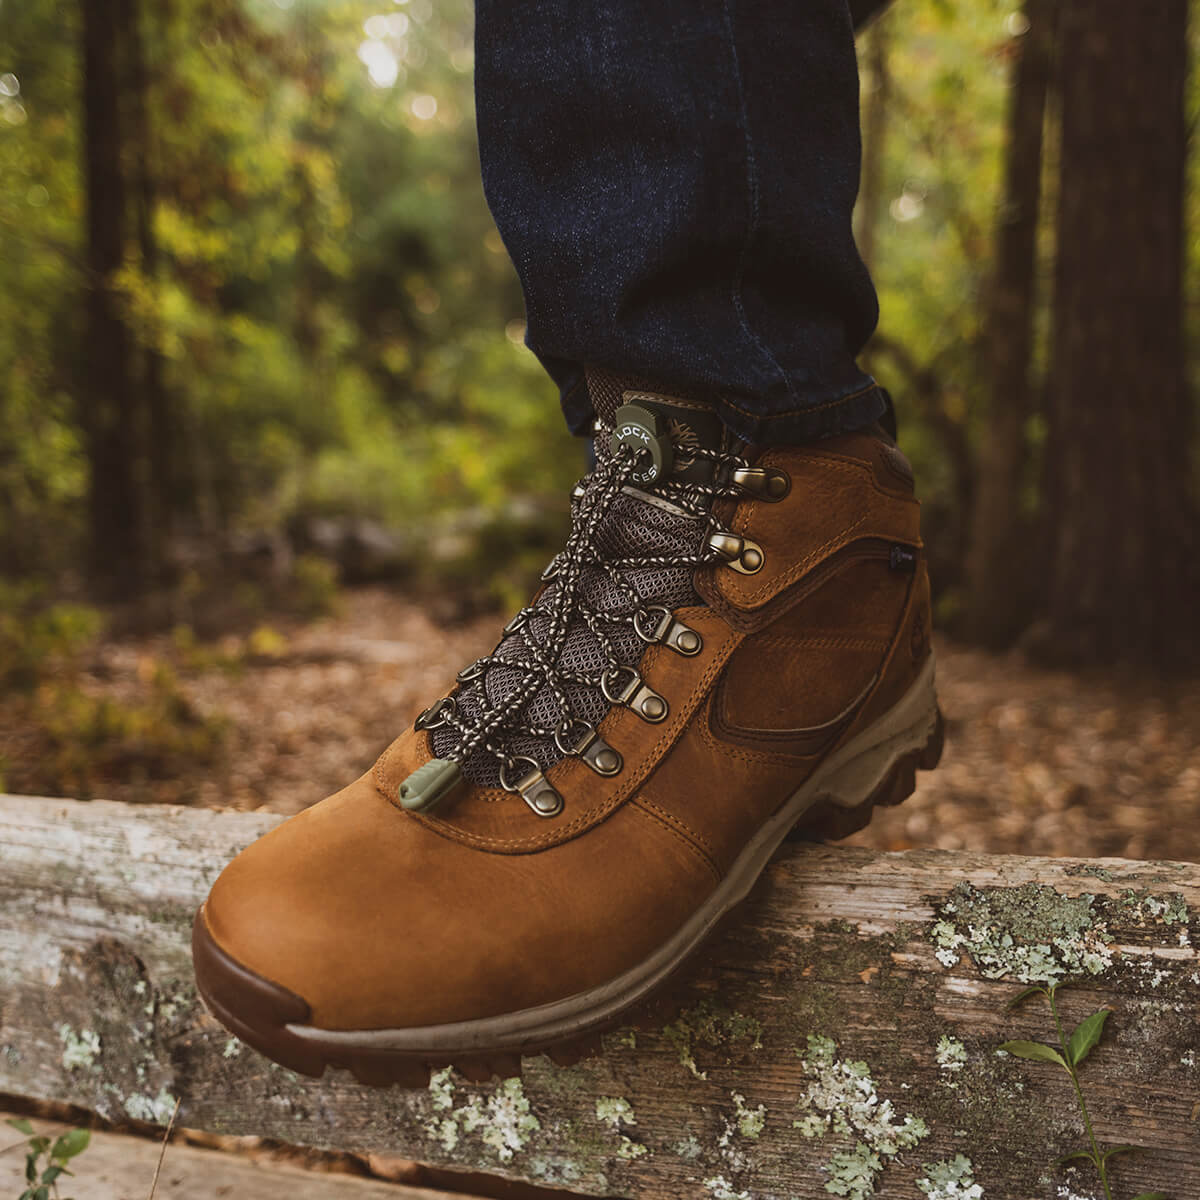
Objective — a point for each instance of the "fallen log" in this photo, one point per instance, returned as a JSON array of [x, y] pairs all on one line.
[[840, 1036]]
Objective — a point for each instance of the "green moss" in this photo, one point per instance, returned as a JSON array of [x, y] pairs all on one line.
[[1170, 909], [841, 1098], [503, 1121], [950, 1179], [80, 1050], [852, 1172], [750, 1121], [1090, 869], [710, 1023], [951, 1055], [613, 1110], [1030, 933], [157, 1110], [630, 1149], [721, 1189]]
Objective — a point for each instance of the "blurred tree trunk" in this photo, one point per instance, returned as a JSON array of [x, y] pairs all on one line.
[[997, 609], [159, 437], [1122, 512], [109, 396], [871, 190]]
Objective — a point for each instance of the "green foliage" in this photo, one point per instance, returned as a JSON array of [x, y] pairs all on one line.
[[328, 298], [331, 308], [89, 738], [1070, 1053], [43, 1178], [36, 637], [83, 738]]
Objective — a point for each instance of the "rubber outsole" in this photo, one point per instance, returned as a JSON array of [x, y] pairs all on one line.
[[274, 1020]]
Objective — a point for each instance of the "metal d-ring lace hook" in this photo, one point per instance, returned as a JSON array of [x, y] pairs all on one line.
[[437, 714], [639, 454], [634, 693], [667, 630], [534, 788], [588, 745]]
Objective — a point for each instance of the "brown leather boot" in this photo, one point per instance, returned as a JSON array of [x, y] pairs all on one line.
[[734, 642]]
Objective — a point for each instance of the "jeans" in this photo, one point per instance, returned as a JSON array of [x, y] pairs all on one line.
[[674, 181]]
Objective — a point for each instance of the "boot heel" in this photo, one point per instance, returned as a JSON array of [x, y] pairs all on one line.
[[827, 821]]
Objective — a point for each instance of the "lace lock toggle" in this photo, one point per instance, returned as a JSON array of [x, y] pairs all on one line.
[[645, 432], [429, 784]]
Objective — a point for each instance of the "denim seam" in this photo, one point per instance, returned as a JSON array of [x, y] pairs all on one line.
[[735, 293], [802, 409]]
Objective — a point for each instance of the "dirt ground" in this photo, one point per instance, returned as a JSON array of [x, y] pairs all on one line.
[[1037, 761]]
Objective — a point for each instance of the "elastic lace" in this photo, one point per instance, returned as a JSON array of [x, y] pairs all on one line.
[[494, 727]]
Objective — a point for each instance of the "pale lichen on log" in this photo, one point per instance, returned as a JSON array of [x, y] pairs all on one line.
[[839, 1039]]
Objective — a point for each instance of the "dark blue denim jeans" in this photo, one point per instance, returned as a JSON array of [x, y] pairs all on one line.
[[674, 180]]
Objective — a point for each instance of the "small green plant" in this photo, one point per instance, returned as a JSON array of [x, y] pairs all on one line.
[[43, 1180], [1070, 1053]]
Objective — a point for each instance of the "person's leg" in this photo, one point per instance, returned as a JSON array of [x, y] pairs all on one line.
[[734, 638], [674, 182]]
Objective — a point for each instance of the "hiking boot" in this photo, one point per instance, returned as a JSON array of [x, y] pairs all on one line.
[[733, 644]]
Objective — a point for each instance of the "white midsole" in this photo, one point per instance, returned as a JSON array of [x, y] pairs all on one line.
[[847, 778]]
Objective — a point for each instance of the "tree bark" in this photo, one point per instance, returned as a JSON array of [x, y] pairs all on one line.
[[159, 438], [997, 609], [1123, 515], [108, 391], [900, 964]]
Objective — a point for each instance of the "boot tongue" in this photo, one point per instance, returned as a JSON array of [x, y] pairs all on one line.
[[676, 423], [636, 525]]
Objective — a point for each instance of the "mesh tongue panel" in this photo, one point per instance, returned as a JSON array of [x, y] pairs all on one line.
[[605, 391], [633, 527]]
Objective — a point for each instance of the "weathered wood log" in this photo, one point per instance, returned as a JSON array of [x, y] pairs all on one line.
[[840, 1036], [117, 1167]]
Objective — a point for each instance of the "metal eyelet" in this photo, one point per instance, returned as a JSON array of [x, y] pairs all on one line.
[[740, 554], [589, 746], [534, 788], [635, 694], [519, 619], [437, 714], [472, 672], [763, 483]]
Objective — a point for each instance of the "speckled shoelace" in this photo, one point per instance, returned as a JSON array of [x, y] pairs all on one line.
[[609, 593]]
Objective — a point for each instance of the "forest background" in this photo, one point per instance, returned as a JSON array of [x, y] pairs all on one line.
[[259, 339]]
